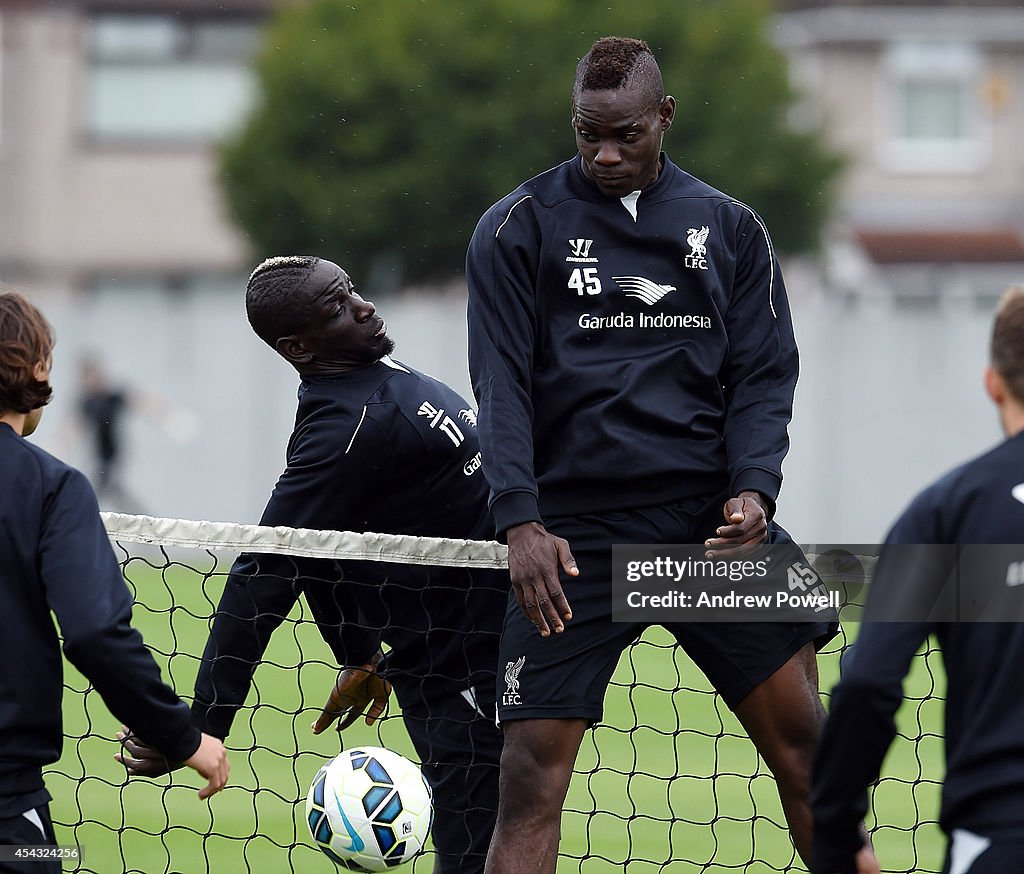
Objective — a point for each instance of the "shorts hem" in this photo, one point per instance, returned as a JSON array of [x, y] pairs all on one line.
[[591, 714], [818, 633]]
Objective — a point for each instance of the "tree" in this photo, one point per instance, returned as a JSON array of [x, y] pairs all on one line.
[[386, 128]]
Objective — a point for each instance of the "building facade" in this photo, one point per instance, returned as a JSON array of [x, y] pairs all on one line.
[[109, 117], [926, 100]]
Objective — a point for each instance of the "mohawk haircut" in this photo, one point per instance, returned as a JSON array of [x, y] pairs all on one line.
[[1007, 348], [26, 340], [272, 305], [615, 62]]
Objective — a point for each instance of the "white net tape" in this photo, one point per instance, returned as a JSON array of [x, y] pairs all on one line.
[[353, 545], [398, 548]]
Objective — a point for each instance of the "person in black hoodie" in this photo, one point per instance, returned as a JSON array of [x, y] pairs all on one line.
[[633, 359], [55, 557], [980, 502], [377, 446]]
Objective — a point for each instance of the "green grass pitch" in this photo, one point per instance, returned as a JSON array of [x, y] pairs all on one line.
[[668, 777]]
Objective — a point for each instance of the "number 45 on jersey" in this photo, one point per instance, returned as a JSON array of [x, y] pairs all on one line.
[[585, 280]]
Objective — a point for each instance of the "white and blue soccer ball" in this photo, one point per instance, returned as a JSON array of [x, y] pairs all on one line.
[[369, 809]]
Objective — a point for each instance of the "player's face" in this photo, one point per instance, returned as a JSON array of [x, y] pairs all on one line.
[[619, 136], [344, 330]]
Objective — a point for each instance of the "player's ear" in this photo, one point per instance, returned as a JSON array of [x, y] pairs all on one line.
[[995, 386], [667, 111], [291, 349]]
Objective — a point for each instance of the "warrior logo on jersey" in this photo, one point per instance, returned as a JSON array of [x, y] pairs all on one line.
[[580, 249], [512, 671], [697, 239], [468, 416], [639, 286]]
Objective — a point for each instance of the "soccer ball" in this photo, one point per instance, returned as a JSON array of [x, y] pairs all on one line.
[[369, 809]]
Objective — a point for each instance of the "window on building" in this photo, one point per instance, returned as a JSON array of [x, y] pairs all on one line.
[[935, 119], [168, 77]]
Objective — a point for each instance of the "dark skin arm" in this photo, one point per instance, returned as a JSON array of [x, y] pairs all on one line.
[[534, 557], [747, 528]]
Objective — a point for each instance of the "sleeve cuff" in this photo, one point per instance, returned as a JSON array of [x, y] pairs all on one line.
[[754, 479], [514, 508], [834, 855], [212, 719], [184, 747]]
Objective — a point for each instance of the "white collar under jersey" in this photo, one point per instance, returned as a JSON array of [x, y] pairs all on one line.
[[629, 201], [388, 361]]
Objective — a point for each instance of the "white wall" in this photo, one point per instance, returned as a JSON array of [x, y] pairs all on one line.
[[890, 396]]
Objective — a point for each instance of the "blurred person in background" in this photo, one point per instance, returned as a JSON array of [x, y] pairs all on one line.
[[55, 558], [101, 412]]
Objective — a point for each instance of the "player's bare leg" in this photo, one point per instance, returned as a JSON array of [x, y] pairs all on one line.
[[784, 717], [536, 766]]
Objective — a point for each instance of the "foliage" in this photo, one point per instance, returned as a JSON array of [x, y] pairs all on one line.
[[387, 127]]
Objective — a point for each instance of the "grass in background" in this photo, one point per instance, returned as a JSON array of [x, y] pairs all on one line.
[[668, 777]]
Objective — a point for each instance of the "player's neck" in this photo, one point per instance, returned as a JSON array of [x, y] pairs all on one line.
[[1013, 419], [15, 420]]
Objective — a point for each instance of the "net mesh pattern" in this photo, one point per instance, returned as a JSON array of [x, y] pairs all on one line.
[[669, 780]]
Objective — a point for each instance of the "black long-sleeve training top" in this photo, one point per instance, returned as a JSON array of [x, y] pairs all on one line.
[[626, 353], [386, 449], [981, 502], [55, 557]]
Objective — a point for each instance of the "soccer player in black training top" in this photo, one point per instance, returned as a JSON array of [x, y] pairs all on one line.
[[55, 557], [633, 358], [981, 502], [377, 446]]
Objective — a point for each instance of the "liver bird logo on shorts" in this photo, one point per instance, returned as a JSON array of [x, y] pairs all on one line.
[[512, 670]]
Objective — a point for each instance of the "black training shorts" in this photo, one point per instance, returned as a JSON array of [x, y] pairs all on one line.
[[31, 828], [456, 738], [564, 676]]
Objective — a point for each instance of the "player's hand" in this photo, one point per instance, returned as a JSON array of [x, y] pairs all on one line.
[[747, 527], [866, 861], [141, 759], [210, 760], [356, 687], [534, 557]]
